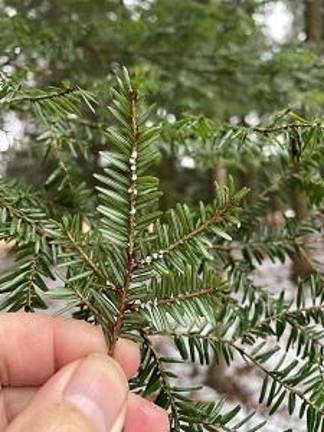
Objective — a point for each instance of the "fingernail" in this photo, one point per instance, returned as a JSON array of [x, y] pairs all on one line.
[[98, 390], [120, 422]]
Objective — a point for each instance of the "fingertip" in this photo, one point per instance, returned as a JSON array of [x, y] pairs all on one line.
[[144, 416], [127, 354], [16, 399], [75, 339], [86, 395]]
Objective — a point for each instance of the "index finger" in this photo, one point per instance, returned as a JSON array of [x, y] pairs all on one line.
[[33, 347]]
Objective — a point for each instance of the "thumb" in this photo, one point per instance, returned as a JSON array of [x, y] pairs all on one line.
[[88, 395]]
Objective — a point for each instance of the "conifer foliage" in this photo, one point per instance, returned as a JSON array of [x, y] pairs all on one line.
[[143, 274]]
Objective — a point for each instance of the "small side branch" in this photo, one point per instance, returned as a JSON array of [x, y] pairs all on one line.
[[47, 96]]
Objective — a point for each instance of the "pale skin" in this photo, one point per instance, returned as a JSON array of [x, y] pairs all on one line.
[[55, 375]]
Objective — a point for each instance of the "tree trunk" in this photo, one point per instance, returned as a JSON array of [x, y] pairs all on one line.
[[314, 20], [301, 266], [220, 175], [314, 33]]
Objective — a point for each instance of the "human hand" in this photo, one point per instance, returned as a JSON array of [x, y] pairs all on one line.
[[55, 375]]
